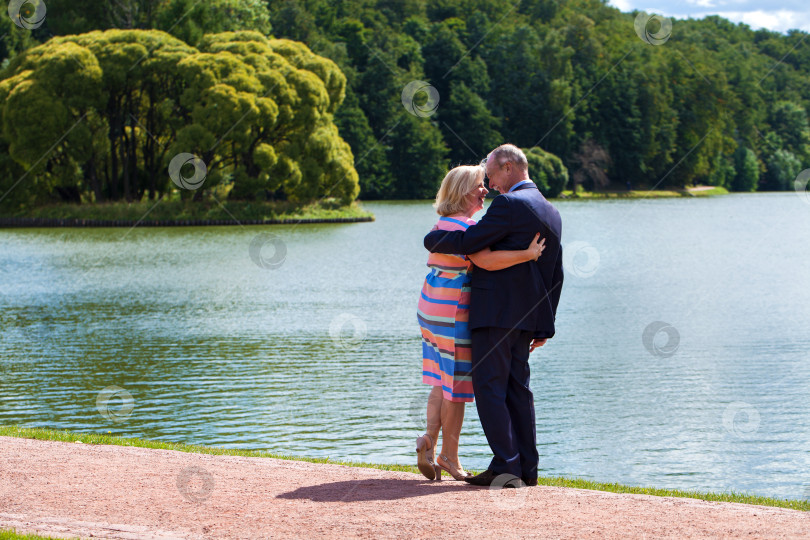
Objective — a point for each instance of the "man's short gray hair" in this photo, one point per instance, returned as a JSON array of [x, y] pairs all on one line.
[[509, 152]]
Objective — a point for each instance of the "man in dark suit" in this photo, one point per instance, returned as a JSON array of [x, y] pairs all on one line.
[[512, 312]]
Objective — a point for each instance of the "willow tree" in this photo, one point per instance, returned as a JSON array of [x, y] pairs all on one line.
[[285, 137], [105, 112], [51, 102]]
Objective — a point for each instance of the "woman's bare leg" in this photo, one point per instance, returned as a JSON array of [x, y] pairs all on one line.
[[434, 413], [452, 419]]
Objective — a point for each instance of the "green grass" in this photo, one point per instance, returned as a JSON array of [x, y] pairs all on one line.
[[202, 210], [12, 534], [579, 483], [643, 193]]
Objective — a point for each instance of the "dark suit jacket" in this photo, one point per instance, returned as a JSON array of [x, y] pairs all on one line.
[[523, 296]]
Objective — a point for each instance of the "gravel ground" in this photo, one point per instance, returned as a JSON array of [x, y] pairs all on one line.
[[65, 490]]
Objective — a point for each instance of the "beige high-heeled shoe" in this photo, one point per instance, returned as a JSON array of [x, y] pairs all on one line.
[[455, 471], [424, 458]]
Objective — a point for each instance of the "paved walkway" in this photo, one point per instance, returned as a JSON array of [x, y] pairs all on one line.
[[70, 489]]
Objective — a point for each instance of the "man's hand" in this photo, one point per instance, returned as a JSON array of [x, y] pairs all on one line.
[[536, 342]]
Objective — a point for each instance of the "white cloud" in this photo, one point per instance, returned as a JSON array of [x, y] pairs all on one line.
[[776, 15], [702, 3], [623, 5], [781, 20]]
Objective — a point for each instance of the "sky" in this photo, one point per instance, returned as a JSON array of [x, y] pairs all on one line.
[[777, 15]]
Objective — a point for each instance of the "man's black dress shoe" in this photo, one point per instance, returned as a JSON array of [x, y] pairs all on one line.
[[489, 477], [529, 481], [483, 479]]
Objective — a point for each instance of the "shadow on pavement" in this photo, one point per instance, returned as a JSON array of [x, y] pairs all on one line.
[[385, 489]]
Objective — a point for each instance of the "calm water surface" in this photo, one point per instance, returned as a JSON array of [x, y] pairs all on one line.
[[319, 355]]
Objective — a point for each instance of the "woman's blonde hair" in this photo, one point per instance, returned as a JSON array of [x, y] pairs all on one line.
[[457, 184]]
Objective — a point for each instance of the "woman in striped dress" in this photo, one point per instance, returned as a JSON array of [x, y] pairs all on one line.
[[443, 314]]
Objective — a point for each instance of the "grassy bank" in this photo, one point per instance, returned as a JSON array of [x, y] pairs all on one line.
[[579, 483], [174, 209], [202, 210], [696, 191], [12, 534]]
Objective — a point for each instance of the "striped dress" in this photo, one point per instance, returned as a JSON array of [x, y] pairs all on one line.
[[443, 314]]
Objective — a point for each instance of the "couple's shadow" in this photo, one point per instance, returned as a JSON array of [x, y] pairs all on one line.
[[374, 489]]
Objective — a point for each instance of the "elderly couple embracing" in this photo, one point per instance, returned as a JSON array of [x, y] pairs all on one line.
[[489, 300]]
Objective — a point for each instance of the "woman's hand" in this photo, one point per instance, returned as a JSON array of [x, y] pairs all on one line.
[[536, 248]]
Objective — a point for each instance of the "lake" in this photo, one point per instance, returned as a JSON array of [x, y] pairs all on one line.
[[681, 359]]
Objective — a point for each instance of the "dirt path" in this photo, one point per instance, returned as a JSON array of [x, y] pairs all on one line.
[[70, 489]]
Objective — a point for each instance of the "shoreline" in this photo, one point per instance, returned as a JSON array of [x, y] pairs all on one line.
[[199, 214], [574, 483], [11, 223], [179, 213], [90, 489], [694, 191]]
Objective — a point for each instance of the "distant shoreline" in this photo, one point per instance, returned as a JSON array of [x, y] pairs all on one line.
[[177, 213], [695, 191], [76, 222]]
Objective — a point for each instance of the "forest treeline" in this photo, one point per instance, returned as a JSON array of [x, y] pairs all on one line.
[[571, 80]]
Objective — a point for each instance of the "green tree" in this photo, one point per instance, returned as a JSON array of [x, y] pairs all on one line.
[[554, 73], [418, 156], [189, 20], [746, 170], [467, 125], [13, 39], [371, 162], [789, 121], [781, 170], [547, 171], [103, 113], [47, 97], [75, 17], [290, 19]]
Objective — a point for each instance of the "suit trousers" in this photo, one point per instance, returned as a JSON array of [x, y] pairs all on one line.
[[500, 377]]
